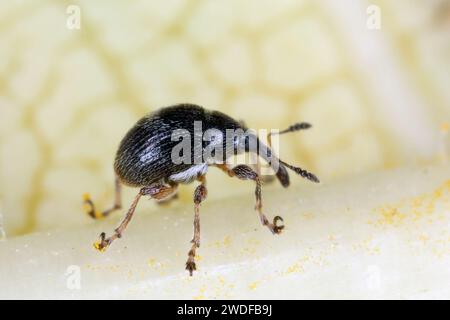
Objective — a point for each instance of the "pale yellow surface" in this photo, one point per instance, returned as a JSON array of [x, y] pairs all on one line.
[[377, 99], [376, 236]]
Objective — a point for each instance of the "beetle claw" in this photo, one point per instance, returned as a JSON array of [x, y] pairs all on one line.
[[191, 267], [275, 228], [102, 244], [88, 205]]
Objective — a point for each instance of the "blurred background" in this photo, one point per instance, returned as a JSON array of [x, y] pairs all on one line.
[[373, 77]]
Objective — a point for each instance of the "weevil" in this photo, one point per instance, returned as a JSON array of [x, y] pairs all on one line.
[[145, 160]]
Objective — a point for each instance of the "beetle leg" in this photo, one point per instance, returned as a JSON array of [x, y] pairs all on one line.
[[156, 192], [105, 242], [89, 205], [161, 192], [199, 195], [244, 172]]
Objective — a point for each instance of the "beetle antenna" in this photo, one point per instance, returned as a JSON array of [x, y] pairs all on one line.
[[295, 127], [280, 166], [305, 174], [282, 170]]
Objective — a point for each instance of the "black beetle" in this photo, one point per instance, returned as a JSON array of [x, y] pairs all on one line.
[[145, 160]]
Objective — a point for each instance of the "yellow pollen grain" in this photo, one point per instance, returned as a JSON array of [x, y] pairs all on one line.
[[253, 285], [98, 215], [391, 216], [151, 262], [424, 237], [294, 268], [97, 245], [227, 241], [201, 294], [415, 208]]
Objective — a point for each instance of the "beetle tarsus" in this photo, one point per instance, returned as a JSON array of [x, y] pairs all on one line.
[[277, 229], [103, 243], [89, 206], [273, 227], [191, 267]]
